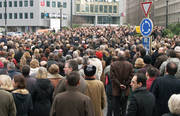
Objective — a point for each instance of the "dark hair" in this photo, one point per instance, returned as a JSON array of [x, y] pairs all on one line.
[[141, 78], [171, 53], [25, 70], [20, 81], [143, 52], [73, 64], [152, 72], [73, 78], [171, 68]]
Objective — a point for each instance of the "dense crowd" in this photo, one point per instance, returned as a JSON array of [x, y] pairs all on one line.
[[78, 72]]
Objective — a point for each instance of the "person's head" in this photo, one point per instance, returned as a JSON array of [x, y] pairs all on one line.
[[19, 82], [5, 82], [139, 63], [138, 80], [121, 55], [34, 63], [25, 70], [53, 69], [174, 103], [70, 65], [90, 71], [73, 78], [151, 72], [171, 68], [171, 53], [11, 66], [42, 73]]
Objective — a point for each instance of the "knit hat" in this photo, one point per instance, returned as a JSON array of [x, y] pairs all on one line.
[[139, 63], [99, 54], [1, 65], [89, 70], [177, 49]]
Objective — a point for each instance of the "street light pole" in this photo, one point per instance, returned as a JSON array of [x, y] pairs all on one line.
[[5, 14], [61, 17], [166, 13], [71, 13]]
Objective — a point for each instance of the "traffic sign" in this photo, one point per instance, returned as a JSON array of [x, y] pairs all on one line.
[[146, 6], [146, 27], [146, 43]]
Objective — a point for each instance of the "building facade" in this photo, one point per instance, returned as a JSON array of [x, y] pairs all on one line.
[[98, 12], [31, 15], [160, 12]]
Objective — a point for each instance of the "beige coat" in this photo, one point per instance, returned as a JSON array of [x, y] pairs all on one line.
[[95, 90]]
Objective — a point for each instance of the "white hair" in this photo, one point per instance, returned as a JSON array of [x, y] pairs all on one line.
[[5, 82], [174, 104]]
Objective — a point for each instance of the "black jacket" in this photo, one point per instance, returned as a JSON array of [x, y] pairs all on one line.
[[163, 88], [42, 97], [23, 102], [142, 103]]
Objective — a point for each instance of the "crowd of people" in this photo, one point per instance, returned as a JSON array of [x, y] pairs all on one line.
[[80, 71]]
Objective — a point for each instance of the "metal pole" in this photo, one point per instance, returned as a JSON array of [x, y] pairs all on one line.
[[71, 13], [5, 9], [61, 18], [166, 13]]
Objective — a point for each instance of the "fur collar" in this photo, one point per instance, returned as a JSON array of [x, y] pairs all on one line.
[[21, 91]]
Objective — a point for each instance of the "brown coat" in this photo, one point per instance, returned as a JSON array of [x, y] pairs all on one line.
[[95, 90], [121, 71], [72, 103]]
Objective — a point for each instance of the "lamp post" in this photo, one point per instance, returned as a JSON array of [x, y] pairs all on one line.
[[109, 20], [166, 13], [61, 17], [71, 13], [5, 16]]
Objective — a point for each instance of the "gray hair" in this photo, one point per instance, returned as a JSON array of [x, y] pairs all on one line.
[[174, 104]]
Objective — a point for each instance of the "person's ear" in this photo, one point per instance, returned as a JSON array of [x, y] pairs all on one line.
[[140, 84]]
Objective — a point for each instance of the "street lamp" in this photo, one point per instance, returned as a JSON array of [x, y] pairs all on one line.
[[61, 17], [166, 13], [5, 16], [109, 20], [71, 12]]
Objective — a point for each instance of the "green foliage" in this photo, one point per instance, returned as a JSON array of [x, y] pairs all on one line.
[[173, 29], [76, 25]]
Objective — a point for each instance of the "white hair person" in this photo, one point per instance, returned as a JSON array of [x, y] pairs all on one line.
[[174, 104]]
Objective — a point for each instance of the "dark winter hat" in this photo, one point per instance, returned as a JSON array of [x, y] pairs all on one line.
[[89, 70]]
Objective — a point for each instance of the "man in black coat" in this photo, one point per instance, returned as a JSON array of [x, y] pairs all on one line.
[[164, 87], [142, 102]]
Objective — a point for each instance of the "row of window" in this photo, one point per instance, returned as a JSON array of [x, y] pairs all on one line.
[[15, 3], [17, 16], [31, 3], [55, 4], [97, 8]]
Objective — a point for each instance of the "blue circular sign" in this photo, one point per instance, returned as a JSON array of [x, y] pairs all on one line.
[[146, 27]]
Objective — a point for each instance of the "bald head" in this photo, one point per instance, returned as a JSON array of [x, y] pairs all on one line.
[[121, 55]]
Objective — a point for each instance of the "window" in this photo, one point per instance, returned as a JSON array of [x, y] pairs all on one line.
[[31, 2], [15, 15], [115, 9], [42, 15], [31, 15], [5, 15], [5, 4], [105, 9], [21, 15], [59, 4], [101, 8], [87, 8], [110, 9], [77, 7], [0, 4], [92, 8], [10, 3], [25, 3], [10, 15], [0, 15], [53, 4], [47, 3], [15, 3], [64, 4], [26, 15], [20, 3], [96, 8]]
